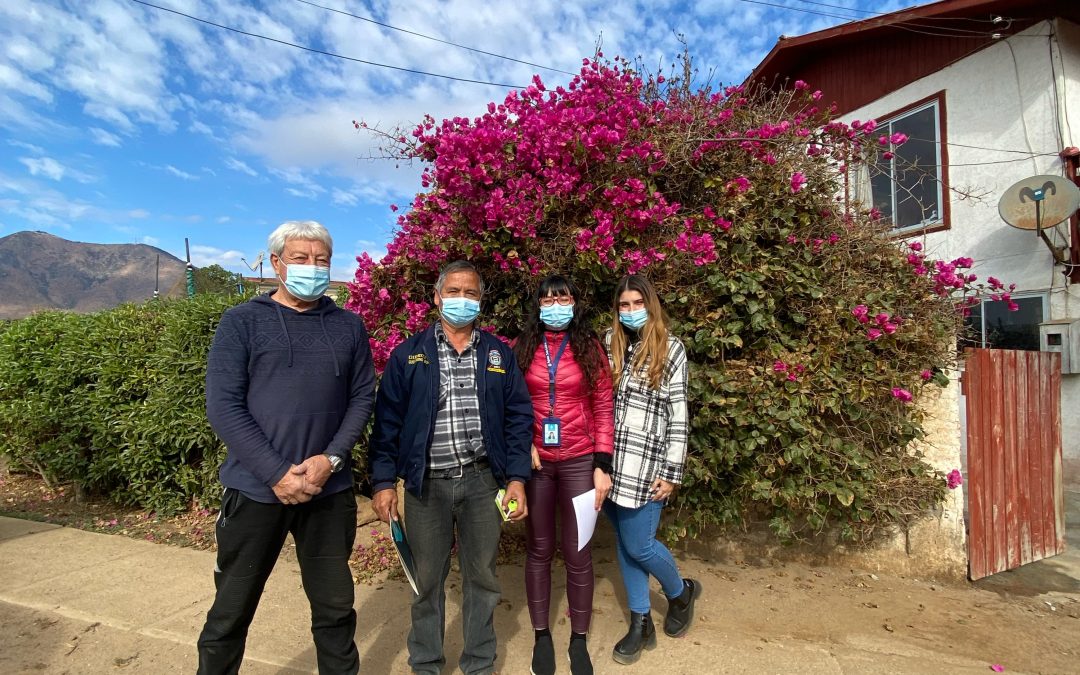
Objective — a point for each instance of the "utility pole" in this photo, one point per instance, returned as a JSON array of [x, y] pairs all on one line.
[[190, 270]]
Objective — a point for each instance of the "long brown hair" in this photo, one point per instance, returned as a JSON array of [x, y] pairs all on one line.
[[588, 352], [651, 359]]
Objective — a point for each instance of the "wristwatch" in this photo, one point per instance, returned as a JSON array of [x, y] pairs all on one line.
[[336, 463]]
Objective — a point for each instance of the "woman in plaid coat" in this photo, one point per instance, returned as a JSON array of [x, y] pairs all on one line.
[[649, 370]]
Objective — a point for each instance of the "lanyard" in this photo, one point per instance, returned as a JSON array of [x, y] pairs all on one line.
[[553, 367]]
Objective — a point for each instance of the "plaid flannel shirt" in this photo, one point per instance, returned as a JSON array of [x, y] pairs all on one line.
[[458, 438], [650, 427]]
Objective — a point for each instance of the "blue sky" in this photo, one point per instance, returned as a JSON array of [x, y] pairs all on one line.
[[122, 123]]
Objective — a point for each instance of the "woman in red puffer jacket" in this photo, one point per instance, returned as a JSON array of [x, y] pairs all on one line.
[[566, 371]]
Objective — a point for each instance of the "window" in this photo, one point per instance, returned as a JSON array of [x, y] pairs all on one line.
[[992, 325], [907, 187]]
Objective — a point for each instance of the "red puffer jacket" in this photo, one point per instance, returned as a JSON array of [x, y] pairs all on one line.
[[588, 422]]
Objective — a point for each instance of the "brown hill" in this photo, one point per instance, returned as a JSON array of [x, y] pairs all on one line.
[[42, 271]]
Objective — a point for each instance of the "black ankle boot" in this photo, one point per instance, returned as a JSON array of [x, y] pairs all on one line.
[[680, 610], [580, 663], [642, 635], [543, 660]]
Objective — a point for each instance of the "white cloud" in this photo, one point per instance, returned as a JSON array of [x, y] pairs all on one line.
[[138, 213], [53, 170], [343, 198], [180, 174], [202, 128], [151, 241], [221, 220], [44, 207], [44, 166], [237, 165], [102, 137], [29, 147], [300, 181], [201, 256]]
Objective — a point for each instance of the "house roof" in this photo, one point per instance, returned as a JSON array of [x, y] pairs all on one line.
[[857, 62]]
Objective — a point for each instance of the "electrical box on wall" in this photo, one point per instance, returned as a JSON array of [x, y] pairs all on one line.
[[1062, 336]]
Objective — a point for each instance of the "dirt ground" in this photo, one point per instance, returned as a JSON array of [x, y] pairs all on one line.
[[1012, 620]]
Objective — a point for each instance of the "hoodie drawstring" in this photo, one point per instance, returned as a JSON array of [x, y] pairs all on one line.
[[330, 344], [285, 330]]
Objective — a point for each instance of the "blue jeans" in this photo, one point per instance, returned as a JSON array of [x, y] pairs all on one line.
[[467, 503], [640, 554]]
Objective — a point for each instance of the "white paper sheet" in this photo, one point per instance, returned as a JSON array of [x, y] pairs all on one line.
[[585, 510]]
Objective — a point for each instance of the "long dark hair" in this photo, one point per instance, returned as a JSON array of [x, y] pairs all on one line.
[[583, 340]]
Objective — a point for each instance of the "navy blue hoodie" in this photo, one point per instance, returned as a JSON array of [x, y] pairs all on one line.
[[282, 386]]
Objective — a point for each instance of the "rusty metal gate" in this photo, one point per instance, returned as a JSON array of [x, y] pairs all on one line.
[[1015, 494]]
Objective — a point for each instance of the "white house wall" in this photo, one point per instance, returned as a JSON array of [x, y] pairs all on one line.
[[1005, 98]]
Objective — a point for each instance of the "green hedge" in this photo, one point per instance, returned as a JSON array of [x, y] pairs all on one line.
[[113, 402]]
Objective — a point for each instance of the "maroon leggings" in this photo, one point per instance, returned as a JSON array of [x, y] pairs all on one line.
[[552, 488]]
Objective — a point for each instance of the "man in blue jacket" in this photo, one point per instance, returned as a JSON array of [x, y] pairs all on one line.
[[454, 419], [289, 388]]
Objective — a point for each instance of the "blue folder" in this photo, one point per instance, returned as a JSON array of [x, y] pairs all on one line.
[[404, 553]]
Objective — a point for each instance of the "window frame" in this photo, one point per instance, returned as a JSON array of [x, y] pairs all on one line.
[[1027, 295], [884, 123]]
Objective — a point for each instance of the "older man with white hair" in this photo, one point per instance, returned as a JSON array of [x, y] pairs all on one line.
[[289, 388]]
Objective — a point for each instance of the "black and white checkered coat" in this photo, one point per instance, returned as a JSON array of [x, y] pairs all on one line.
[[650, 427]]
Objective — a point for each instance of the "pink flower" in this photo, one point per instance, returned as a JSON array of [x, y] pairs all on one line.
[[901, 394], [792, 377], [873, 334], [889, 328], [779, 366], [393, 207], [926, 375], [997, 668], [954, 480], [800, 85], [915, 246], [859, 310], [798, 180]]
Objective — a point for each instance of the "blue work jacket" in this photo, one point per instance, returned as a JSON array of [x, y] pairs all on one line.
[[407, 403]]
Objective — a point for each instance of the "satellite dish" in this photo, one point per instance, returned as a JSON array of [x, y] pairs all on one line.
[[255, 265], [1039, 202]]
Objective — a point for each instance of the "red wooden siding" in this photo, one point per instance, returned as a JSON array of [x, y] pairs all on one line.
[[1015, 493]]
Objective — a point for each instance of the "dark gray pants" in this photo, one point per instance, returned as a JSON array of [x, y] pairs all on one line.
[[250, 535], [467, 505]]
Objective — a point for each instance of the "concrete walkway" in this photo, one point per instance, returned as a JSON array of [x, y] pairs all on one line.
[[80, 602]]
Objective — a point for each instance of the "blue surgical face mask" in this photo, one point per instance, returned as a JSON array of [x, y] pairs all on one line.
[[306, 282], [635, 319], [557, 317], [459, 312]]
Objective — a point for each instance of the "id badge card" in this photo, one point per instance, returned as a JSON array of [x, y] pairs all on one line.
[[552, 432]]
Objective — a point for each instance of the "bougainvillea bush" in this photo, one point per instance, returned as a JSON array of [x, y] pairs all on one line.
[[810, 332]]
